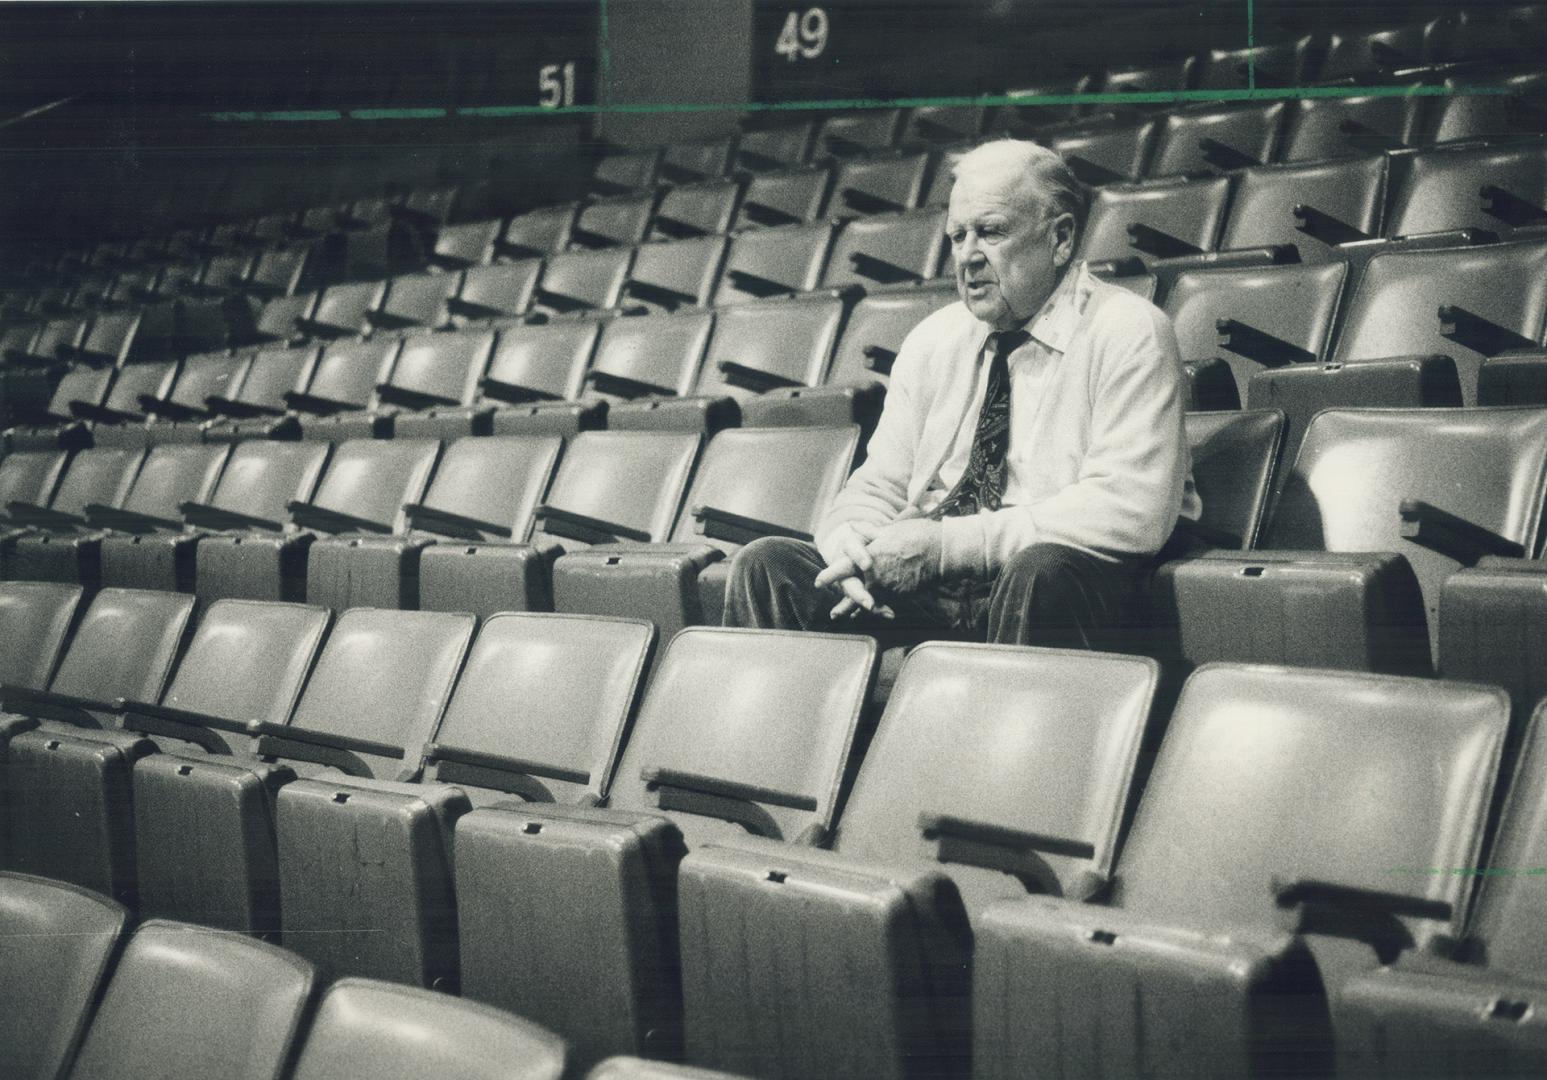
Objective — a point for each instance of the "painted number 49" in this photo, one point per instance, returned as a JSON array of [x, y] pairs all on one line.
[[556, 85], [803, 35]]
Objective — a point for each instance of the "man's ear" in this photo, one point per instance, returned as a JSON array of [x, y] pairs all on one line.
[[1063, 239]]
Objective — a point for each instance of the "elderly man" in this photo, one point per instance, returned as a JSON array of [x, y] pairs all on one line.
[[1030, 460]]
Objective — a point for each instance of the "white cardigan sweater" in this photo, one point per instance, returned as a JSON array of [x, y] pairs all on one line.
[[1112, 472]]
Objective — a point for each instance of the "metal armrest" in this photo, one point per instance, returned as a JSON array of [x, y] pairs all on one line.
[[338, 751], [317, 405], [24, 513], [48, 705], [562, 303], [589, 530], [658, 294], [172, 410], [756, 284], [996, 847], [1322, 907], [198, 728], [678, 230], [1479, 332], [1324, 227], [879, 359], [205, 516], [755, 379], [514, 775], [888, 273], [445, 523], [111, 517], [738, 529], [625, 386], [869, 203], [1224, 156], [311, 516], [764, 214], [1160, 244], [411, 399], [1509, 207], [240, 410], [724, 799]]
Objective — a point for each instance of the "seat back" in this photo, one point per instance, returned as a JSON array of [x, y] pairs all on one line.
[[1466, 303], [101, 475], [125, 645], [136, 380], [686, 269], [784, 197], [205, 376], [419, 299], [343, 309], [554, 693], [692, 209], [1154, 221], [1510, 906], [35, 618], [768, 262], [879, 324], [248, 660], [348, 372], [1357, 466], [549, 361], [887, 249], [1347, 196], [365, 1027], [385, 676], [261, 477], [31, 477], [1320, 128], [658, 355], [874, 185], [584, 279], [56, 943], [443, 366], [499, 291], [174, 474], [613, 222], [83, 383], [1234, 455], [1496, 188], [373, 478], [540, 232], [631, 478], [748, 725], [1362, 781], [785, 477], [273, 373], [498, 480], [1041, 742], [860, 132], [1218, 138], [760, 346], [187, 1003]]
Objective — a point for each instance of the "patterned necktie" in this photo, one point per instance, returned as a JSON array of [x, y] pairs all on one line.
[[982, 483]]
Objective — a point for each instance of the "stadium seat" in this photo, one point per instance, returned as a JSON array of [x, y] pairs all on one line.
[[1210, 937], [1161, 220], [773, 262], [691, 210], [948, 125], [1255, 317], [501, 291], [437, 369], [170, 476], [1465, 303], [415, 300], [369, 1028], [625, 170], [1493, 188], [537, 234], [35, 619], [362, 490], [281, 273], [751, 482], [57, 943], [888, 249], [29, 478], [850, 134], [688, 162], [637, 358], [787, 197], [278, 321], [373, 699], [878, 185], [1512, 111], [539, 714], [265, 382], [1320, 128], [1107, 153], [1281, 64], [123, 403], [680, 273], [124, 647], [1379, 508], [99, 477], [200, 378], [618, 222], [484, 490], [1314, 206], [1234, 458], [186, 1003], [578, 281], [344, 310], [258, 481], [1471, 1009], [531, 363], [471, 243], [567, 915], [610, 485], [765, 148], [1214, 139], [344, 380], [1023, 792]]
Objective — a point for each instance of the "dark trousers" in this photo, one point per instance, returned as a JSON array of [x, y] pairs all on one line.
[[1047, 595]]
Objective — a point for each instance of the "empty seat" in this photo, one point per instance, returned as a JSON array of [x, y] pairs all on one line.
[[695, 210], [131, 384], [661, 355], [416, 300], [200, 378], [1512, 110], [1494, 188], [281, 272], [344, 310], [764, 148], [1314, 206], [1431, 1017], [668, 276], [1283, 63], [1465, 303], [620, 222], [1257, 317], [484, 489], [124, 647], [364, 1027], [1217, 139], [371, 702], [1234, 457], [740, 731], [502, 291], [363, 490], [57, 942], [1107, 153], [29, 478], [186, 1003], [881, 185], [345, 379], [258, 482], [888, 249], [1319, 128], [861, 132], [697, 159], [539, 233], [791, 197], [354, 912], [98, 477], [1380, 507], [1024, 791], [626, 170], [1205, 960], [269, 377], [35, 618], [610, 485], [280, 320], [471, 243], [539, 363], [1161, 220], [752, 482], [774, 262], [934, 125], [437, 369], [582, 280]]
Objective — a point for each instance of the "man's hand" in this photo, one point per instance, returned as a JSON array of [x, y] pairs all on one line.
[[843, 550], [905, 555]]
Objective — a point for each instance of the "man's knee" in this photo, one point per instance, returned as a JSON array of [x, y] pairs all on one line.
[[768, 557], [1039, 565]]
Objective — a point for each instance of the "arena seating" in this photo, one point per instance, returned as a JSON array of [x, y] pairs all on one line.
[[365, 528]]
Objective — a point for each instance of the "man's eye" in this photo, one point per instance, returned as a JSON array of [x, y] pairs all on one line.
[[956, 237]]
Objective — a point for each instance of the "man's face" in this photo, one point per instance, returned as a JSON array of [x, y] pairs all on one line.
[[1007, 250]]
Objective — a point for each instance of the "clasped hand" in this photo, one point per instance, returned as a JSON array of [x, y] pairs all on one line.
[[863, 558]]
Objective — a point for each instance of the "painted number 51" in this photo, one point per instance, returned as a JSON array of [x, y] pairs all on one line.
[[803, 35], [556, 85]]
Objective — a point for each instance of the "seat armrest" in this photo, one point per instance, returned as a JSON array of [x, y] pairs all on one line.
[[739, 529], [1451, 535], [1307, 906]]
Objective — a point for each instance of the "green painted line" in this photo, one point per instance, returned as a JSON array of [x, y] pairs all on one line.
[[396, 114], [1251, 45], [1167, 97], [604, 57]]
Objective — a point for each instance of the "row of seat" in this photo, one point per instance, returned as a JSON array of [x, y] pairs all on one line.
[[911, 893], [84, 996]]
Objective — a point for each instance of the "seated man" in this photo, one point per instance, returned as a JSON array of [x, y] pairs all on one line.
[[1031, 458]]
